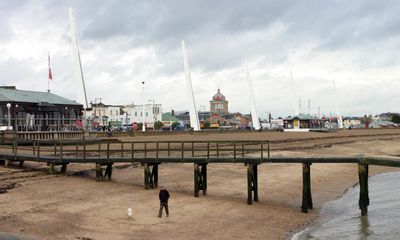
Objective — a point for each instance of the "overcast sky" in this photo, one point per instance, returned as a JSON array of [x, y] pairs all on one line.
[[122, 43]]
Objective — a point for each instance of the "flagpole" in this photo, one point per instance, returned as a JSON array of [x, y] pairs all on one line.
[[48, 77]]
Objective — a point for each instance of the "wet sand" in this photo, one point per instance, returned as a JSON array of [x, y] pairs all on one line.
[[75, 206]]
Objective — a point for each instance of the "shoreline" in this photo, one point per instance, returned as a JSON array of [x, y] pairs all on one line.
[[291, 234], [343, 209]]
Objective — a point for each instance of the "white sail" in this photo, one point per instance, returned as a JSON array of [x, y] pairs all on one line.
[[194, 118], [292, 86], [338, 115], [254, 115], [81, 91]]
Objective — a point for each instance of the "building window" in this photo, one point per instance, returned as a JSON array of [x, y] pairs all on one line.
[[135, 114], [147, 114]]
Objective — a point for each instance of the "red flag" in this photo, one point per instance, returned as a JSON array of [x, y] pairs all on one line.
[[50, 74]]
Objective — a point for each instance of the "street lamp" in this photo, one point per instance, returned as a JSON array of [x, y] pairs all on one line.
[[9, 117], [16, 117]]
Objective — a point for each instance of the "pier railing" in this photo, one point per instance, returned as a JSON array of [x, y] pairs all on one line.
[[11, 136], [112, 150]]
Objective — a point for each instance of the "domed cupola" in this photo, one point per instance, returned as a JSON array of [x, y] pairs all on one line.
[[218, 96]]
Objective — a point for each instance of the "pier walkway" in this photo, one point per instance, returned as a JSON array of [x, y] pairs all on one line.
[[150, 154]]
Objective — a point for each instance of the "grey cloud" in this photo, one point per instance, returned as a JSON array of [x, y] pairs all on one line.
[[219, 35]]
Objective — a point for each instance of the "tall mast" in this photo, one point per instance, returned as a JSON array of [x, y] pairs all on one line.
[[292, 86], [254, 115], [194, 118], [338, 116], [77, 56]]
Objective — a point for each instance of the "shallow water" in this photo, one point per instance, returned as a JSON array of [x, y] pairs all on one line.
[[7, 236], [341, 219]]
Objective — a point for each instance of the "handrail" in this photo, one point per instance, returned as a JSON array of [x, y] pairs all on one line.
[[167, 151]]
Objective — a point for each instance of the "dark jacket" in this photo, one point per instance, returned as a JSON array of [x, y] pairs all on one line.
[[164, 195]]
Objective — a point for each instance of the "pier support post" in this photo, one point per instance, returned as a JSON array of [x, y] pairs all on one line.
[[99, 172], [252, 183], [196, 181], [6, 163], [364, 197], [307, 198], [63, 168], [51, 168], [108, 171], [21, 163], [150, 175], [203, 180], [146, 176], [200, 179], [155, 175], [255, 182]]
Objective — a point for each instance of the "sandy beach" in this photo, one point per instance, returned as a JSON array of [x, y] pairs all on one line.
[[75, 206]]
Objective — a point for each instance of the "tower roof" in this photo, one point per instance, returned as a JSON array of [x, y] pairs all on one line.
[[218, 96]]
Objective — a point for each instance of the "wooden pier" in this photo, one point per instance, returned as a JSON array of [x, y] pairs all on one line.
[[150, 154]]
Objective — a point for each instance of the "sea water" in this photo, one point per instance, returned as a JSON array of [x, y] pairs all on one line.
[[341, 218]]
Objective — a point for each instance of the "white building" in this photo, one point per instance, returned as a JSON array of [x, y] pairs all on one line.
[[99, 114], [117, 115], [352, 122], [152, 113]]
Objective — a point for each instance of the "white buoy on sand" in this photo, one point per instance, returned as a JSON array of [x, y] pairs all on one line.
[[129, 212]]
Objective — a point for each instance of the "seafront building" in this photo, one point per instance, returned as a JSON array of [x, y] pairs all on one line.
[[24, 110], [352, 122], [302, 122], [218, 103], [122, 115]]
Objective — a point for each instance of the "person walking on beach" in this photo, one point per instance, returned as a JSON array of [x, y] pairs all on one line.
[[164, 196]]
